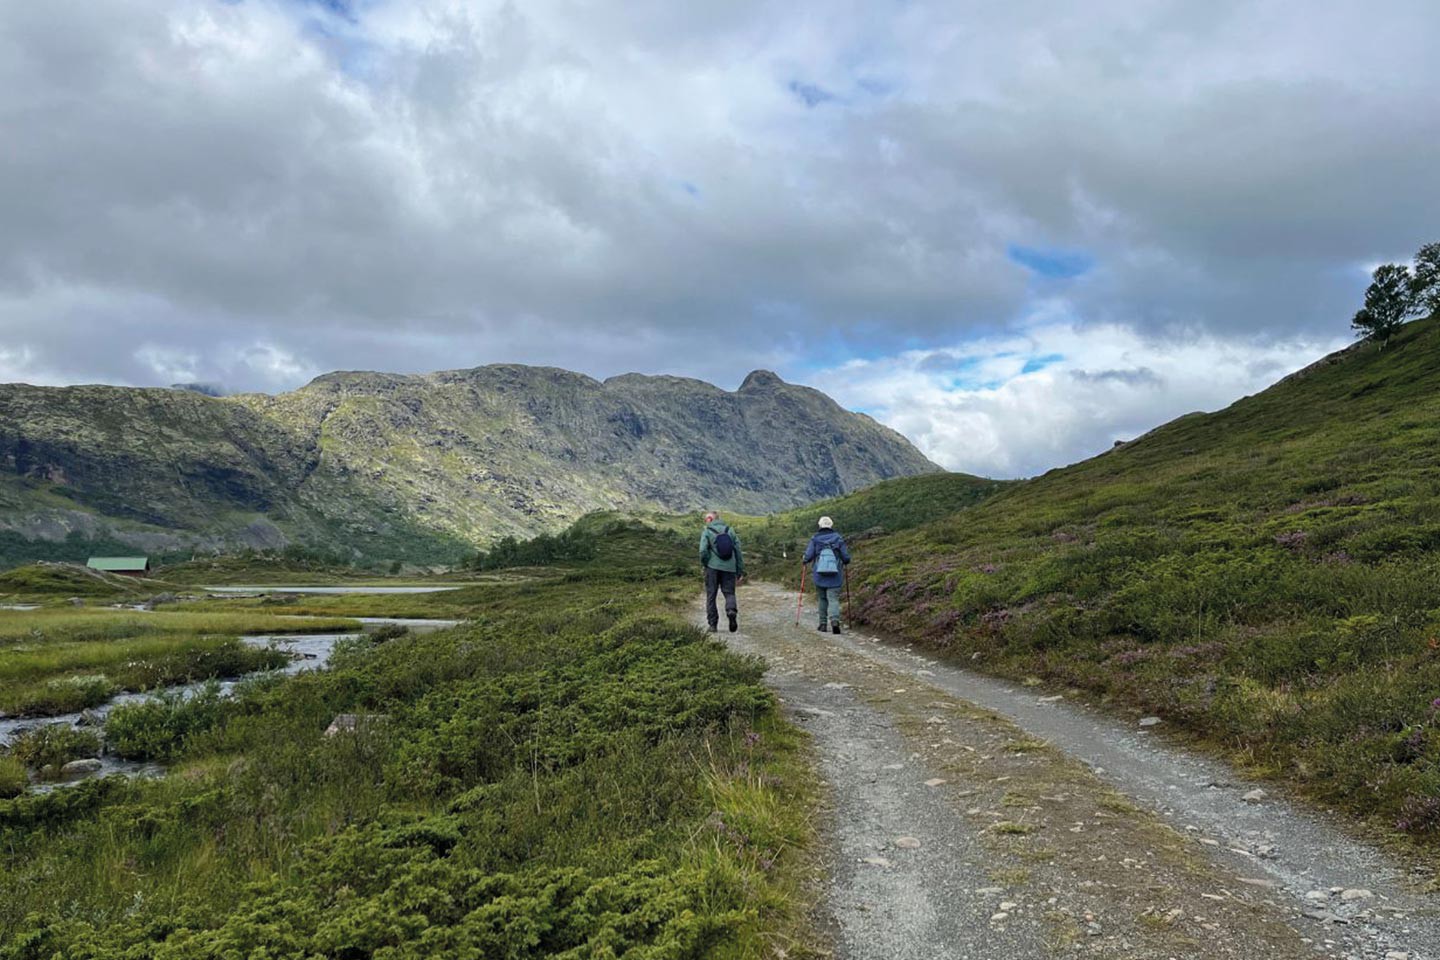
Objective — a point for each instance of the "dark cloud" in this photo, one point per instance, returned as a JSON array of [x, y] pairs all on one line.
[[1140, 376]]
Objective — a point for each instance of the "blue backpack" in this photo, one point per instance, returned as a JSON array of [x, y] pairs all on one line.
[[827, 560], [724, 546]]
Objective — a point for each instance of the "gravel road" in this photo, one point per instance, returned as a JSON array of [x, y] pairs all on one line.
[[971, 818]]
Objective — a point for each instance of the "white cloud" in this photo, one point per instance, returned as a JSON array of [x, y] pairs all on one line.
[[270, 191], [975, 408]]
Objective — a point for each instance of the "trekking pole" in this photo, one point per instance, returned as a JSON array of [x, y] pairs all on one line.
[[800, 597], [845, 574]]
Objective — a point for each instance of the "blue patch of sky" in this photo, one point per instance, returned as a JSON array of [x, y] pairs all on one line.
[[335, 26], [1053, 264], [690, 188], [1035, 364], [344, 9]]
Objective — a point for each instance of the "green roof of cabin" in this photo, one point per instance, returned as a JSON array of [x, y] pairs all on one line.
[[118, 564]]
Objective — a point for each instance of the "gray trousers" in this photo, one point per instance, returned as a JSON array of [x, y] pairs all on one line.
[[719, 580], [828, 597]]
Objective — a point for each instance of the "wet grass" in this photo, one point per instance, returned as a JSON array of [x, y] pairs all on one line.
[[67, 677], [60, 660], [67, 625]]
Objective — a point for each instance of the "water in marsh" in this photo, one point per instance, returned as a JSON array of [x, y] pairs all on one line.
[[272, 588], [308, 652]]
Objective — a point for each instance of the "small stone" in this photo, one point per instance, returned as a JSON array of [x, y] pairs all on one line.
[[876, 861], [935, 782], [907, 843], [1092, 929], [1397, 955], [1317, 896], [1254, 796], [985, 891], [935, 721], [995, 918], [1355, 894], [1008, 905], [1150, 722], [1058, 696]]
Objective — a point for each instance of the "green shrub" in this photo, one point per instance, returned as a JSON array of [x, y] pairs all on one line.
[[13, 779], [55, 744], [158, 729]]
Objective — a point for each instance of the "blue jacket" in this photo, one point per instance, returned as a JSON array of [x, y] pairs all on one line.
[[833, 540]]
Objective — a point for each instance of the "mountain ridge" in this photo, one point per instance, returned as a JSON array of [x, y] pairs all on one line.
[[414, 466]]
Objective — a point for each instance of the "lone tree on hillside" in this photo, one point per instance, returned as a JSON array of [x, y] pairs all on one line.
[[1389, 302], [1425, 280]]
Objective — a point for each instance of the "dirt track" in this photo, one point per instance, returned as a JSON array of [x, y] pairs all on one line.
[[972, 819]]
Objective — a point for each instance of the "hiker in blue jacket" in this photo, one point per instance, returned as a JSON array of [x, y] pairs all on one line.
[[724, 567], [830, 554]]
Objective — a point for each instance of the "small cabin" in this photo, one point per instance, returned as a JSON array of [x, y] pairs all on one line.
[[125, 566]]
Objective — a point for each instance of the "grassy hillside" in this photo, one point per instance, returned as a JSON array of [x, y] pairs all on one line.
[[773, 544], [40, 582], [1267, 577]]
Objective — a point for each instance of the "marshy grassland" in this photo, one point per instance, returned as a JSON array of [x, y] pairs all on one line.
[[62, 659], [575, 772]]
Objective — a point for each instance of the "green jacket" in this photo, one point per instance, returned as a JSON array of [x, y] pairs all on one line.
[[708, 557]]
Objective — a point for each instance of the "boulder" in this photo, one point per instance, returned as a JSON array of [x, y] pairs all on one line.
[[81, 768]]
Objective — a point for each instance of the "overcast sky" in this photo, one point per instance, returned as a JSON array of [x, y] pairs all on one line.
[[1016, 232]]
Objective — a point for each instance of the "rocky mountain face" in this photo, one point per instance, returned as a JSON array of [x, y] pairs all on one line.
[[414, 467]]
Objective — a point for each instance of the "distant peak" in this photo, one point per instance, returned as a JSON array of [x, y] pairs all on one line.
[[206, 389], [760, 379]]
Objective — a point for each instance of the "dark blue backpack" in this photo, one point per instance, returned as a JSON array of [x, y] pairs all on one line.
[[724, 546]]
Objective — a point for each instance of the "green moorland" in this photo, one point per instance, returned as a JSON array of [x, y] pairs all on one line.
[[640, 548], [59, 660], [774, 544], [1266, 578], [573, 773], [294, 566]]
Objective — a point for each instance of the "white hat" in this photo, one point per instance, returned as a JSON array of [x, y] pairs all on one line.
[[826, 523]]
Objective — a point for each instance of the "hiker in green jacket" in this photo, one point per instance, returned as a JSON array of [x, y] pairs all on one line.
[[724, 567]]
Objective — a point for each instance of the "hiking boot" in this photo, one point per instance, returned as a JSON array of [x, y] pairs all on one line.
[[835, 627], [821, 628], [713, 629], [734, 623]]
